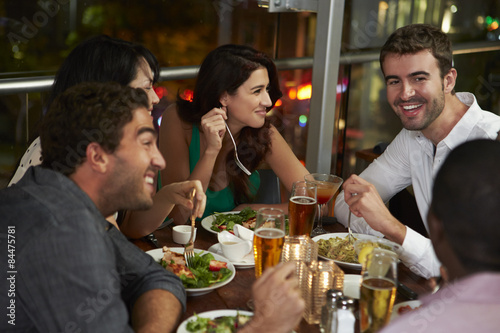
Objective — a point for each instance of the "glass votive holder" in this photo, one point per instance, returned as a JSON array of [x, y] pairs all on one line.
[[317, 278], [299, 248]]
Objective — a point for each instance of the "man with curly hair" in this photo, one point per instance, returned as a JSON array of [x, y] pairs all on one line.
[[73, 271]]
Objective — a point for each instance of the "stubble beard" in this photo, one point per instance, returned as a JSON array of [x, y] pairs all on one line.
[[434, 109], [125, 191]]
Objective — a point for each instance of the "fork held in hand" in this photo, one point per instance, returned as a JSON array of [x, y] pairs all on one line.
[[238, 163], [350, 236], [189, 248]]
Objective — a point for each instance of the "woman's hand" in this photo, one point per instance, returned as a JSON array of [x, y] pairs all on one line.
[[214, 127], [178, 194]]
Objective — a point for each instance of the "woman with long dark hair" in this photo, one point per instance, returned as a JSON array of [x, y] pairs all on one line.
[[237, 86]]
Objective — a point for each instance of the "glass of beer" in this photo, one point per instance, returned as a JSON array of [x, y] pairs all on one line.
[[302, 208], [378, 290], [269, 236]]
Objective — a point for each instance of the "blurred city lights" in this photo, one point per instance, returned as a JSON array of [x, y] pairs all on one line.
[[305, 91], [160, 91], [302, 120], [187, 95], [491, 23]]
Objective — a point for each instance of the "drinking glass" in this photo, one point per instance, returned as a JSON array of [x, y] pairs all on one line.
[[327, 186], [378, 290], [268, 238], [302, 208]]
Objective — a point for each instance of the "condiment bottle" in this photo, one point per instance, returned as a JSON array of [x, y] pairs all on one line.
[[345, 315], [328, 323]]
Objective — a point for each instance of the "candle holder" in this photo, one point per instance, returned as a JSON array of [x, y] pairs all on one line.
[[301, 249], [316, 278]]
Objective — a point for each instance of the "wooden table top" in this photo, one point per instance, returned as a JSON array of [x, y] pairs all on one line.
[[236, 294]]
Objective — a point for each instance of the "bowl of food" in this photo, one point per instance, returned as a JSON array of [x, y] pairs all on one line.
[[215, 321], [226, 221], [209, 272], [336, 247]]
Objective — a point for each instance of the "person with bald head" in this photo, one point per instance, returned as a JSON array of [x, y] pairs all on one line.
[[463, 224]]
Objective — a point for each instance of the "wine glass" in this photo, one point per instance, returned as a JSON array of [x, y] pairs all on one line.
[[327, 186], [378, 289], [268, 238]]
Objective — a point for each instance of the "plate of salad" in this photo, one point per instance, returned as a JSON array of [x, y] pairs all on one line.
[[209, 272], [225, 221], [215, 321]]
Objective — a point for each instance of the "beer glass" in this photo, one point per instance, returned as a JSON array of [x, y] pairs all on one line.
[[268, 238], [378, 290], [302, 208]]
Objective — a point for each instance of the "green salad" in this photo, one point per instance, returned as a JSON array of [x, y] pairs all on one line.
[[206, 271], [221, 324], [227, 221]]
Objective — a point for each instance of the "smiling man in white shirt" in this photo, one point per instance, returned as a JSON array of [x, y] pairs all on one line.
[[416, 61]]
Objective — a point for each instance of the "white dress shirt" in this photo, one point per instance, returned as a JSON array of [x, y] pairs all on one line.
[[410, 160]]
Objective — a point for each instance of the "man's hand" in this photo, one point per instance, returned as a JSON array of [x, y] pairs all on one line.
[[364, 201], [178, 194], [278, 304]]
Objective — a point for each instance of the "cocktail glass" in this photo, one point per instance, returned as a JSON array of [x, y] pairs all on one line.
[[327, 186]]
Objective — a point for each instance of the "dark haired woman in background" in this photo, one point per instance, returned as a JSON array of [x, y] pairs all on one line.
[[105, 59], [100, 59]]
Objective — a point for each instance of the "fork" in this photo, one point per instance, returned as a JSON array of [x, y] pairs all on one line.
[[238, 163], [349, 236], [189, 248]]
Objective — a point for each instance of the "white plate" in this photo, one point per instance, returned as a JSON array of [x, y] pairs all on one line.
[[343, 235], [157, 254], [352, 285], [247, 261], [412, 304], [212, 315], [207, 221]]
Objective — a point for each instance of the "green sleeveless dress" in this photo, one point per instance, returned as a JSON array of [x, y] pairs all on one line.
[[217, 201]]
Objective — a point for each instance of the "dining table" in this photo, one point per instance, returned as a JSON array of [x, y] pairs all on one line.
[[236, 294]]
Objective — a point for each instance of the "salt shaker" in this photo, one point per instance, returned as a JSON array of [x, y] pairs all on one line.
[[328, 322], [345, 315]]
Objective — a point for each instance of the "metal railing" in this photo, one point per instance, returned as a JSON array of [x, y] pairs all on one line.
[[43, 83]]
